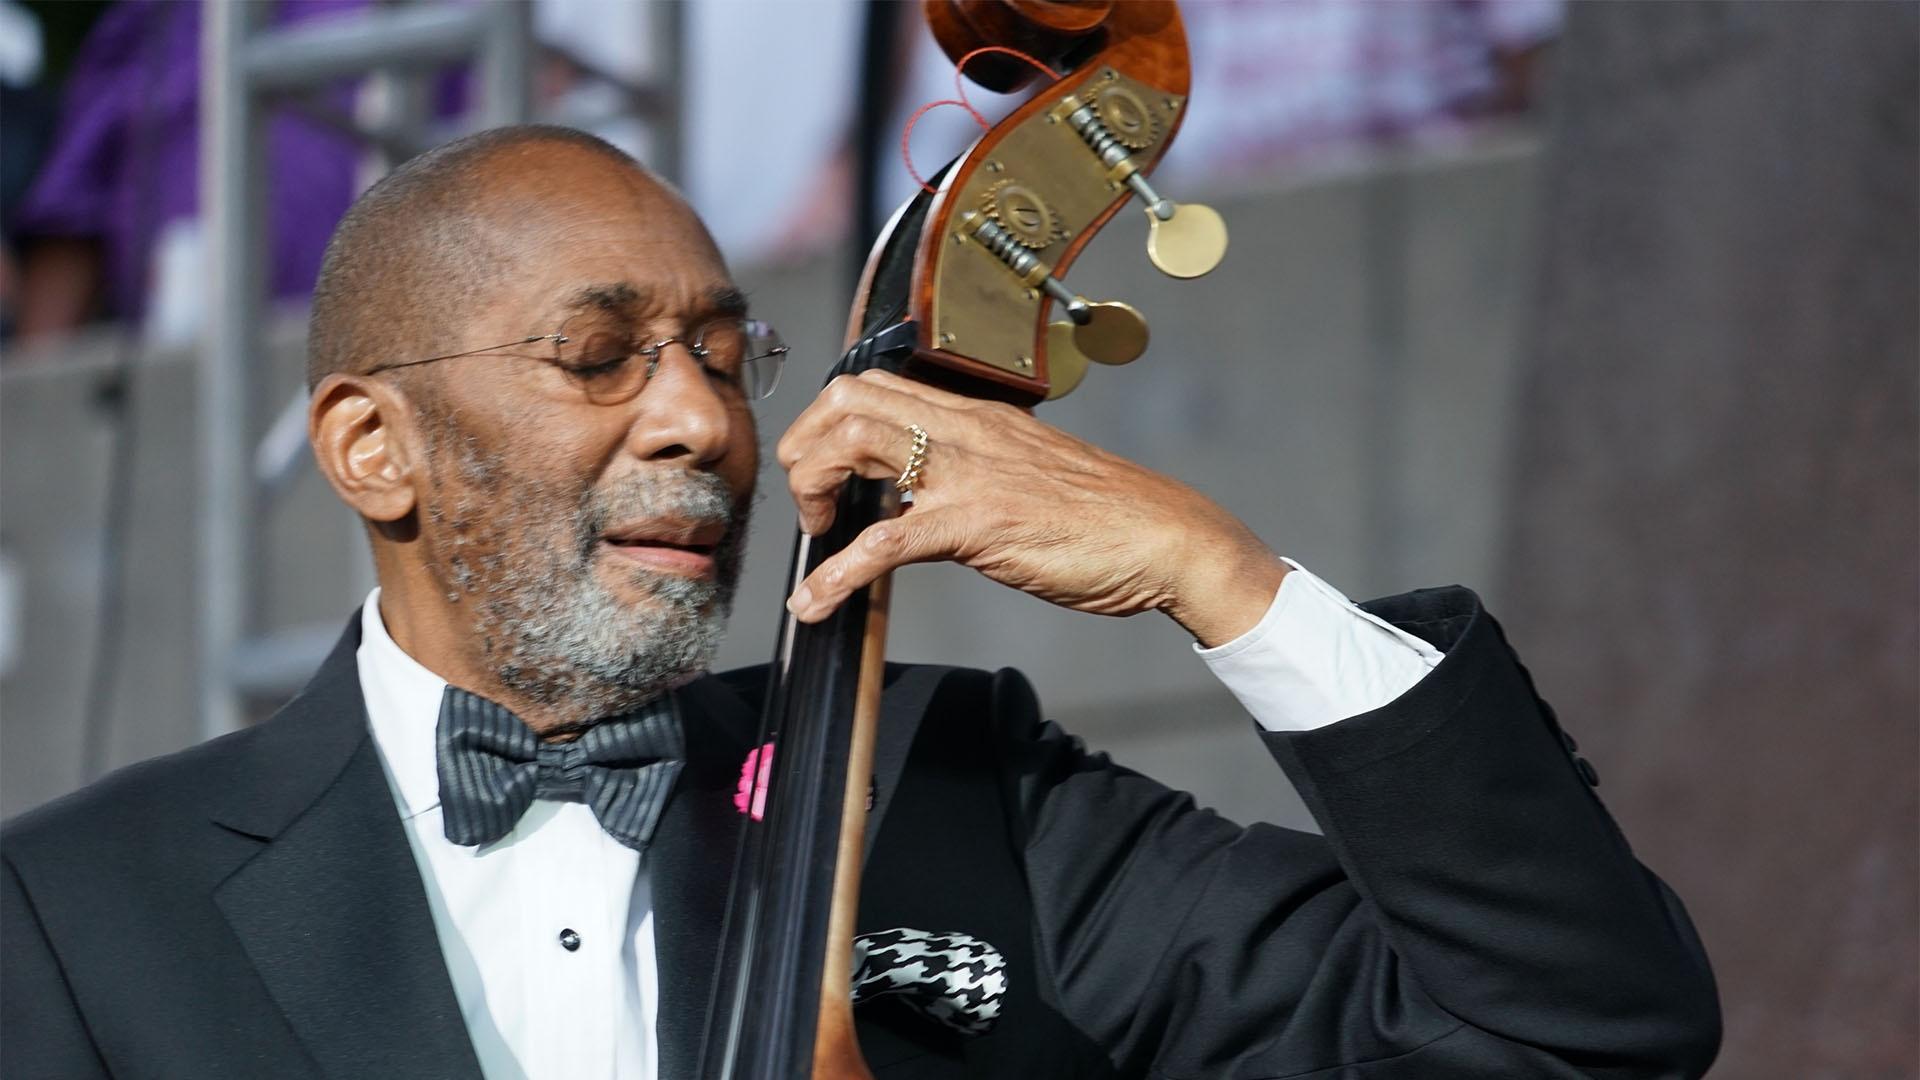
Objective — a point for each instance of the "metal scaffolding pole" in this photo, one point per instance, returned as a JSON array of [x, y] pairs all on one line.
[[506, 64], [298, 57], [232, 168]]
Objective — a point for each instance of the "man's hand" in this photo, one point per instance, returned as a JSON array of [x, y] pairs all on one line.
[[1023, 503]]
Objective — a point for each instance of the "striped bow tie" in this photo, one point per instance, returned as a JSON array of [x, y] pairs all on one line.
[[492, 766]]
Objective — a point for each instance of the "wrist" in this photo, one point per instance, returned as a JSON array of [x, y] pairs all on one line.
[[1220, 598]]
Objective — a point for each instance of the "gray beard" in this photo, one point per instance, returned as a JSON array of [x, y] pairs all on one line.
[[548, 629]]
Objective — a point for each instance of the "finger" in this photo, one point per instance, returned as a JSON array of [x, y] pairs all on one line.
[[933, 395], [923, 536], [961, 419], [859, 446], [914, 388], [847, 396]]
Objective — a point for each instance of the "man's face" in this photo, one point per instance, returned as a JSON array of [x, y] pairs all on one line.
[[595, 544]]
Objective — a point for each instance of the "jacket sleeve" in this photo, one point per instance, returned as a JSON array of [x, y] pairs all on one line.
[[1472, 910], [41, 1034]]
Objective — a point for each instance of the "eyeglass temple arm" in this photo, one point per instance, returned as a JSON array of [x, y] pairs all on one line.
[[558, 339]]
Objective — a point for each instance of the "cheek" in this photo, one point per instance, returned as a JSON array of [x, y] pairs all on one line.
[[524, 469], [743, 458], [744, 471], [558, 448]]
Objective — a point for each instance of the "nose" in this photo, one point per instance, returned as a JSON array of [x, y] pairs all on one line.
[[681, 413]]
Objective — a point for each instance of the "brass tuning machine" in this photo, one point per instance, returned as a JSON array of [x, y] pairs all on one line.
[[1102, 332], [1108, 332], [1183, 241]]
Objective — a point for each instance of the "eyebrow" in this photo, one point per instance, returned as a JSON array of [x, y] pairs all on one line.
[[623, 297], [612, 296], [726, 300]]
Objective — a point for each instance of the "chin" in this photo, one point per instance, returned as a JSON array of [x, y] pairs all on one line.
[[643, 588]]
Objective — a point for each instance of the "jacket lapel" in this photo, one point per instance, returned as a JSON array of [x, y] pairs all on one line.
[[331, 911], [903, 705], [334, 917], [908, 691]]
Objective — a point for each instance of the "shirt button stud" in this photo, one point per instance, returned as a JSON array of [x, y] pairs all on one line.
[[569, 940]]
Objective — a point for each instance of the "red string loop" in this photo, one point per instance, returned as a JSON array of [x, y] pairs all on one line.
[[906, 149], [959, 69]]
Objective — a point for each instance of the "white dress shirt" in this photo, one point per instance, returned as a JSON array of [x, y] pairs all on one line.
[[1315, 658], [536, 1009]]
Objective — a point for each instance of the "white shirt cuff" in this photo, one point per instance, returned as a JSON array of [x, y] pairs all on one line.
[[1315, 658]]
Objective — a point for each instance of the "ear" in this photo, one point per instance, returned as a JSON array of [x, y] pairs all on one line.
[[361, 432]]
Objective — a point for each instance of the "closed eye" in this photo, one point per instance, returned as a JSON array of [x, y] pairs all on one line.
[[610, 366], [725, 372]]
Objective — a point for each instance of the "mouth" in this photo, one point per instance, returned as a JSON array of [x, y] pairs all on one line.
[[684, 548]]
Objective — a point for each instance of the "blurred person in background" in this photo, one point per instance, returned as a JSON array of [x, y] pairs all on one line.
[[103, 191], [109, 227], [28, 108]]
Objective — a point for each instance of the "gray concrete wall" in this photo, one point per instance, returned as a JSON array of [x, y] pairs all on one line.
[[1344, 381], [1713, 542]]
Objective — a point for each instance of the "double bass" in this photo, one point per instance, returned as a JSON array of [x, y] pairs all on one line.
[[964, 290]]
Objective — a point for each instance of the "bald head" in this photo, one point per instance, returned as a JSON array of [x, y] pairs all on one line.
[[427, 242]]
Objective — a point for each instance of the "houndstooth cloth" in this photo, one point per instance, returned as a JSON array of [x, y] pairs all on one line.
[[953, 979]]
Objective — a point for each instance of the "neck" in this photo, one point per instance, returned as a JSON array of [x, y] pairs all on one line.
[[438, 634]]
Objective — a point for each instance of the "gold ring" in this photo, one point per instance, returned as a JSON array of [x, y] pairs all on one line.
[[916, 460]]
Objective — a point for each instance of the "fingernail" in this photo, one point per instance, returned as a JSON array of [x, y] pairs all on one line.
[[802, 598]]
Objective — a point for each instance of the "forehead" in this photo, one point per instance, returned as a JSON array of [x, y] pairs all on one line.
[[582, 230]]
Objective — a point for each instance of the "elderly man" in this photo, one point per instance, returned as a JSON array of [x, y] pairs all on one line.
[[531, 378]]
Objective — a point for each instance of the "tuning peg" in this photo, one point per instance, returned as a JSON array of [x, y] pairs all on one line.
[[1183, 241], [1066, 364], [1108, 332], [1105, 333]]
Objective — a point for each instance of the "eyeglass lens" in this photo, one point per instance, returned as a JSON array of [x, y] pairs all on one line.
[[606, 362]]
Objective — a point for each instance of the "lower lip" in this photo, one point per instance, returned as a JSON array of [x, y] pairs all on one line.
[[670, 560]]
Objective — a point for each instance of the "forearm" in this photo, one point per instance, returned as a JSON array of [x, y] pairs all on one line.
[[59, 285], [1469, 886], [1462, 816]]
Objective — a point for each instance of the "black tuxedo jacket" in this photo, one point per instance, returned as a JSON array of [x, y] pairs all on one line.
[[250, 908]]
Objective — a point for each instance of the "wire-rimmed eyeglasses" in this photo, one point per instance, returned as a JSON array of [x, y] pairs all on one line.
[[742, 355]]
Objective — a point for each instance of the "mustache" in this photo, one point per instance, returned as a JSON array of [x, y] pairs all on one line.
[[699, 498]]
